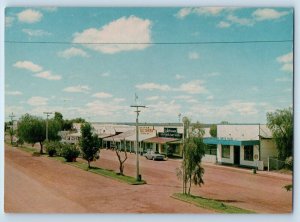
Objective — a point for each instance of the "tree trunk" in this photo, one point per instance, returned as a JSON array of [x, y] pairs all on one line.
[[190, 186], [41, 150], [89, 163], [121, 169]]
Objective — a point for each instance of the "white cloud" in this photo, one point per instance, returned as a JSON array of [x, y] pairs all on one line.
[[37, 101], [163, 108], [182, 97], [29, 16], [244, 108], [182, 13], [47, 75], [286, 58], [152, 98], [72, 52], [241, 21], [105, 74], [286, 61], [192, 101], [101, 108], [268, 14], [9, 21], [177, 76], [36, 32], [102, 95], [123, 30], [193, 87], [210, 97], [206, 11], [193, 55], [14, 93], [77, 89], [28, 65], [118, 100], [153, 86], [49, 9], [223, 24], [210, 11]]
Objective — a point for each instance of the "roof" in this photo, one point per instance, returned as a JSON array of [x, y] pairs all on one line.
[[142, 137], [121, 136], [233, 142], [160, 140]]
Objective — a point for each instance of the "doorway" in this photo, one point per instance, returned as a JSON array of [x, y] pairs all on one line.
[[237, 151]]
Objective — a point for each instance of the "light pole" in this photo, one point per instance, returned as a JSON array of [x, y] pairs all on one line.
[[47, 114], [138, 177]]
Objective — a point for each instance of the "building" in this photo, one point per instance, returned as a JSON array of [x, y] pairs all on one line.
[[247, 145]]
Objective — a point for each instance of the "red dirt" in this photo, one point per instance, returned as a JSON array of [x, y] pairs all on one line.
[[40, 184]]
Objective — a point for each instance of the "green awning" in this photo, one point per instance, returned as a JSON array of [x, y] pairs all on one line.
[[223, 141]]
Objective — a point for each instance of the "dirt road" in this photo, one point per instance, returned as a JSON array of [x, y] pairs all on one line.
[[39, 184]]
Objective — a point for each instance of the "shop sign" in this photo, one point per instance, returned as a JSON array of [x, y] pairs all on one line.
[[170, 133], [146, 130]]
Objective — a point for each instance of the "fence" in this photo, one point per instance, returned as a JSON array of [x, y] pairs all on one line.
[[275, 164]]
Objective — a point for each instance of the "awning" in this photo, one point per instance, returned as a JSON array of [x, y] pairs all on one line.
[[160, 140], [224, 141], [120, 137]]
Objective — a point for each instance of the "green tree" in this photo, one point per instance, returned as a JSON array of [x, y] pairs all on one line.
[[32, 130], [194, 149], [89, 144], [281, 124], [213, 130], [58, 117]]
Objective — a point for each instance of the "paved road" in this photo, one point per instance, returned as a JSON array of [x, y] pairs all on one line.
[[39, 184]]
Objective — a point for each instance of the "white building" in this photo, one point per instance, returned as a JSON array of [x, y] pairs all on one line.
[[247, 145]]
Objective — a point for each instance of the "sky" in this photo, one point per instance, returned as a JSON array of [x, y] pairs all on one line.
[[177, 61]]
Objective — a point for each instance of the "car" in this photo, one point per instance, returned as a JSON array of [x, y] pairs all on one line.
[[151, 155]]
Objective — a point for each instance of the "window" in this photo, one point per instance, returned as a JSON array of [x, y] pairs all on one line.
[[225, 151], [248, 153]]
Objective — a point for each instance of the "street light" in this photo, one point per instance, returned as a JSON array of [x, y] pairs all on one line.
[[138, 176], [48, 114]]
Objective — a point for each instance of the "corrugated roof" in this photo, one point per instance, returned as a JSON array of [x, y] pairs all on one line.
[[161, 140], [121, 136]]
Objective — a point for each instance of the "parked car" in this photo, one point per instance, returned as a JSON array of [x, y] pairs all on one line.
[[151, 155]]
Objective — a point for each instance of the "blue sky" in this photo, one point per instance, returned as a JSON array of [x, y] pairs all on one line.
[[207, 82]]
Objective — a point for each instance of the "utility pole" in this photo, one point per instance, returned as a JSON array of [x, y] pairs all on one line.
[[138, 177], [47, 114], [12, 116]]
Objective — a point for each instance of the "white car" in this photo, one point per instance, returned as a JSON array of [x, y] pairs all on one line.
[[151, 155]]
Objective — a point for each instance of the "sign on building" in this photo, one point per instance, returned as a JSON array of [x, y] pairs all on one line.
[[170, 133], [146, 130]]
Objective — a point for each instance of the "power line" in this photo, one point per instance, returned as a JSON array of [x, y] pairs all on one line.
[[150, 43]]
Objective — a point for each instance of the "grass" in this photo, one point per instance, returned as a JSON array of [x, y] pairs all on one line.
[[211, 204], [107, 173], [84, 166]]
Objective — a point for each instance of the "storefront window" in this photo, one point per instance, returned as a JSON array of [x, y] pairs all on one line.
[[248, 153], [225, 151]]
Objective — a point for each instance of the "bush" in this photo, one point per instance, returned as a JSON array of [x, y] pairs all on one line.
[[289, 163], [69, 152], [20, 142], [52, 147]]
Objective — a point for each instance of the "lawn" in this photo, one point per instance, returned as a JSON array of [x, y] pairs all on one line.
[[84, 166], [211, 204]]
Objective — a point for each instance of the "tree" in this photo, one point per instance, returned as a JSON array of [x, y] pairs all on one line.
[[280, 123], [194, 149], [213, 130], [121, 161], [58, 117], [32, 130], [89, 144]]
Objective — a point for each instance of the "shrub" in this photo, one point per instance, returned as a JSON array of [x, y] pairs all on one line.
[[52, 147], [289, 163], [69, 152], [20, 142]]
